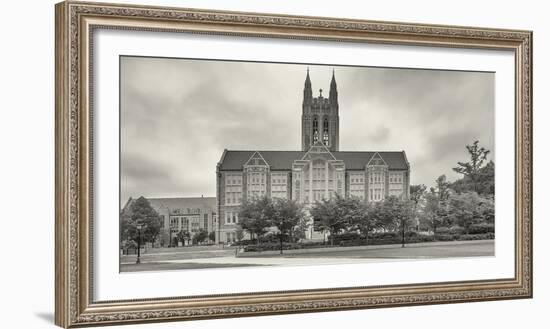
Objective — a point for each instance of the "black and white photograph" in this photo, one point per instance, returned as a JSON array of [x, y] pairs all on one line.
[[274, 164], [240, 163]]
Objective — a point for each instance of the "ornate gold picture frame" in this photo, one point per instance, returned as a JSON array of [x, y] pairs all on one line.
[[76, 22]]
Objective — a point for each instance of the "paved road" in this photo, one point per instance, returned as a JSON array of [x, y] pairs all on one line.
[[179, 253], [183, 258], [164, 266]]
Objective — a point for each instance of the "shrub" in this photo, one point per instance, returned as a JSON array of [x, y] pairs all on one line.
[[457, 230], [486, 236], [244, 242], [312, 244], [482, 228], [423, 238], [269, 238], [379, 238], [344, 237], [271, 246], [384, 235], [129, 244], [444, 237], [411, 234]]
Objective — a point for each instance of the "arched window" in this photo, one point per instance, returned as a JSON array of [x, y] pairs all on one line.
[[315, 130], [325, 132]]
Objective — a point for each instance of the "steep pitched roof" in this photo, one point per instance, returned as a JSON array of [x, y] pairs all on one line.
[[282, 160]]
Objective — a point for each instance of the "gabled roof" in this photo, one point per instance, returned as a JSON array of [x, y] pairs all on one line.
[[256, 160], [282, 160], [318, 148], [173, 204], [376, 159]]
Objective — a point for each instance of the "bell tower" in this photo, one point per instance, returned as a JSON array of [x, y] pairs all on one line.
[[320, 117]]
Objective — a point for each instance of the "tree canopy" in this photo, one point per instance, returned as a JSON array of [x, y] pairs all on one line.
[[466, 209], [287, 215], [334, 214], [255, 215], [140, 212], [473, 170]]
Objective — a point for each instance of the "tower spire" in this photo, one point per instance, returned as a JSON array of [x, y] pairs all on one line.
[[333, 94], [308, 93]]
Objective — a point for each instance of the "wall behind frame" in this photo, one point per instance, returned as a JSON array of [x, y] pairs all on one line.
[[26, 166]]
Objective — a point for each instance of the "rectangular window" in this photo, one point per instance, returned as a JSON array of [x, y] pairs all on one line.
[[256, 184], [233, 189], [278, 185], [357, 187], [396, 184]]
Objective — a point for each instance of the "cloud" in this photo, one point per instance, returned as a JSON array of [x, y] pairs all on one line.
[[178, 115], [379, 134]]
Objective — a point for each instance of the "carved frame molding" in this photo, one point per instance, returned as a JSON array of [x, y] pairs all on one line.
[[75, 24]]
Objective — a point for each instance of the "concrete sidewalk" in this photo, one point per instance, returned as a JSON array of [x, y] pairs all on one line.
[[343, 255]]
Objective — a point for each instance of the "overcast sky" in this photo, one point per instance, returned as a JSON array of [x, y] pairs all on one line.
[[178, 115]]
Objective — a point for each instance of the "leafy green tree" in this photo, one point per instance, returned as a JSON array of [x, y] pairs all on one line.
[[256, 216], [299, 231], [328, 217], [487, 209], [433, 213], [466, 209], [338, 213], [383, 216], [200, 236], [442, 188], [365, 218], [239, 233], [485, 184], [398, 211], [183, 236], [212, 236], [487, 179], [473, 168], [140, 212], [286, 217], [417, 193]]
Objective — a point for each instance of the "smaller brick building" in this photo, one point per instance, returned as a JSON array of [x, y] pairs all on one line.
[[182, 214]]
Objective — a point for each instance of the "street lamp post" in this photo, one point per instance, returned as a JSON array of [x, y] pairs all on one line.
[[139, 227]]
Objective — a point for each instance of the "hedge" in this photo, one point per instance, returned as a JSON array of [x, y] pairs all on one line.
[[374, 239]]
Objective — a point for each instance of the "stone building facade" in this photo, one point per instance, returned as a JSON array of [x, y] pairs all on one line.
[[182, 214], [317, 172]]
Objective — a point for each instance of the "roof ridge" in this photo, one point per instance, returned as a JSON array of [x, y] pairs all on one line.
[[181, 197], [400, 151], [264, 150]]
